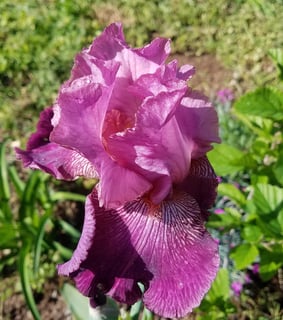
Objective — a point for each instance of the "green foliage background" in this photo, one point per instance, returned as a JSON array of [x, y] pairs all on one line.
[[38, 42], [39, 39]]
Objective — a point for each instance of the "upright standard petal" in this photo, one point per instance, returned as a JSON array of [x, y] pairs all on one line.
[[165, 247], [198, 119]]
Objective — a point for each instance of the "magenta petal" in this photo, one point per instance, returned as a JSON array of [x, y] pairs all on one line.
[[198, 119], [157, 51], [58, 161], [111, 41], [79, 117], [164, 247], [186, 72], [119, 185], [52, 158], [43, 130], [201, 183]]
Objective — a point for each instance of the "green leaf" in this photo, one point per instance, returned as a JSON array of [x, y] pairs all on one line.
[[280, 220], [8, 259], [39, 241], [230, 219], [277, 56], [220, 288], [244, 255], [135, 310], [8, 235], [147, 315], [4, 184], [263, 102], [233, 193], [278, 168], [17, 182], [226, 159], [251, 233], [29, 196], [69, 229], [270, 260], [64, 252], [61, 195], [78, 304], [270, 228], [268, 199]]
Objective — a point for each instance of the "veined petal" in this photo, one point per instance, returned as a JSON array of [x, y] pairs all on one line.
[[201, 183], [165, 247], [62, 163], [52, 158]]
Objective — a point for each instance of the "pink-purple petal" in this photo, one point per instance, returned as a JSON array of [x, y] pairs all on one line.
[[165, 247], [157, 51], [53, 158], [62, 163], [118, 184], [198, 119]]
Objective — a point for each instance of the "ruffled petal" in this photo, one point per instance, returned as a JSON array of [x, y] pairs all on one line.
[[165, 247], [52, 158], [43, 130], [58, 161], [198, 119], [186, 72], [149, 149], [79, 117], [133, 62], [157, 51]]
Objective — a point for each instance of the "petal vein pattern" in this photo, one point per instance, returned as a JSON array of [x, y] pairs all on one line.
[[165, 247], [129, 119]]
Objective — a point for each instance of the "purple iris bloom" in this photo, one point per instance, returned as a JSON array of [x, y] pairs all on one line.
[[225, 95], [237, 287], [130, 120]]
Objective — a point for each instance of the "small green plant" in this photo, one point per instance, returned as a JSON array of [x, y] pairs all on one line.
[[26, 228], [254, 205]]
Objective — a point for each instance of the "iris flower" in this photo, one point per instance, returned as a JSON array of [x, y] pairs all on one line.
[[129, 119]]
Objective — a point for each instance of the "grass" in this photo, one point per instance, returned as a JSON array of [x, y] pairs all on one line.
[[39, 40]]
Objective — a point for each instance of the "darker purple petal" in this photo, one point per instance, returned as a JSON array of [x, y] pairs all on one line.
[[165, 247], [201, 183], [43, 130]]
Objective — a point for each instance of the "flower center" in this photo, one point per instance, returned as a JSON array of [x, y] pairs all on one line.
[[115, 122]]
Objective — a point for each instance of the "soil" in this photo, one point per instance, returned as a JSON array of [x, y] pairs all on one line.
[[210, 77], [50, 303]]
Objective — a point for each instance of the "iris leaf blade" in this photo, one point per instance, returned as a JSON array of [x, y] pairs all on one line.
[[25, 282]]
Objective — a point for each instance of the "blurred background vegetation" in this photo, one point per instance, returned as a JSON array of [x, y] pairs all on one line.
[[39, 39], [235, 44]]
